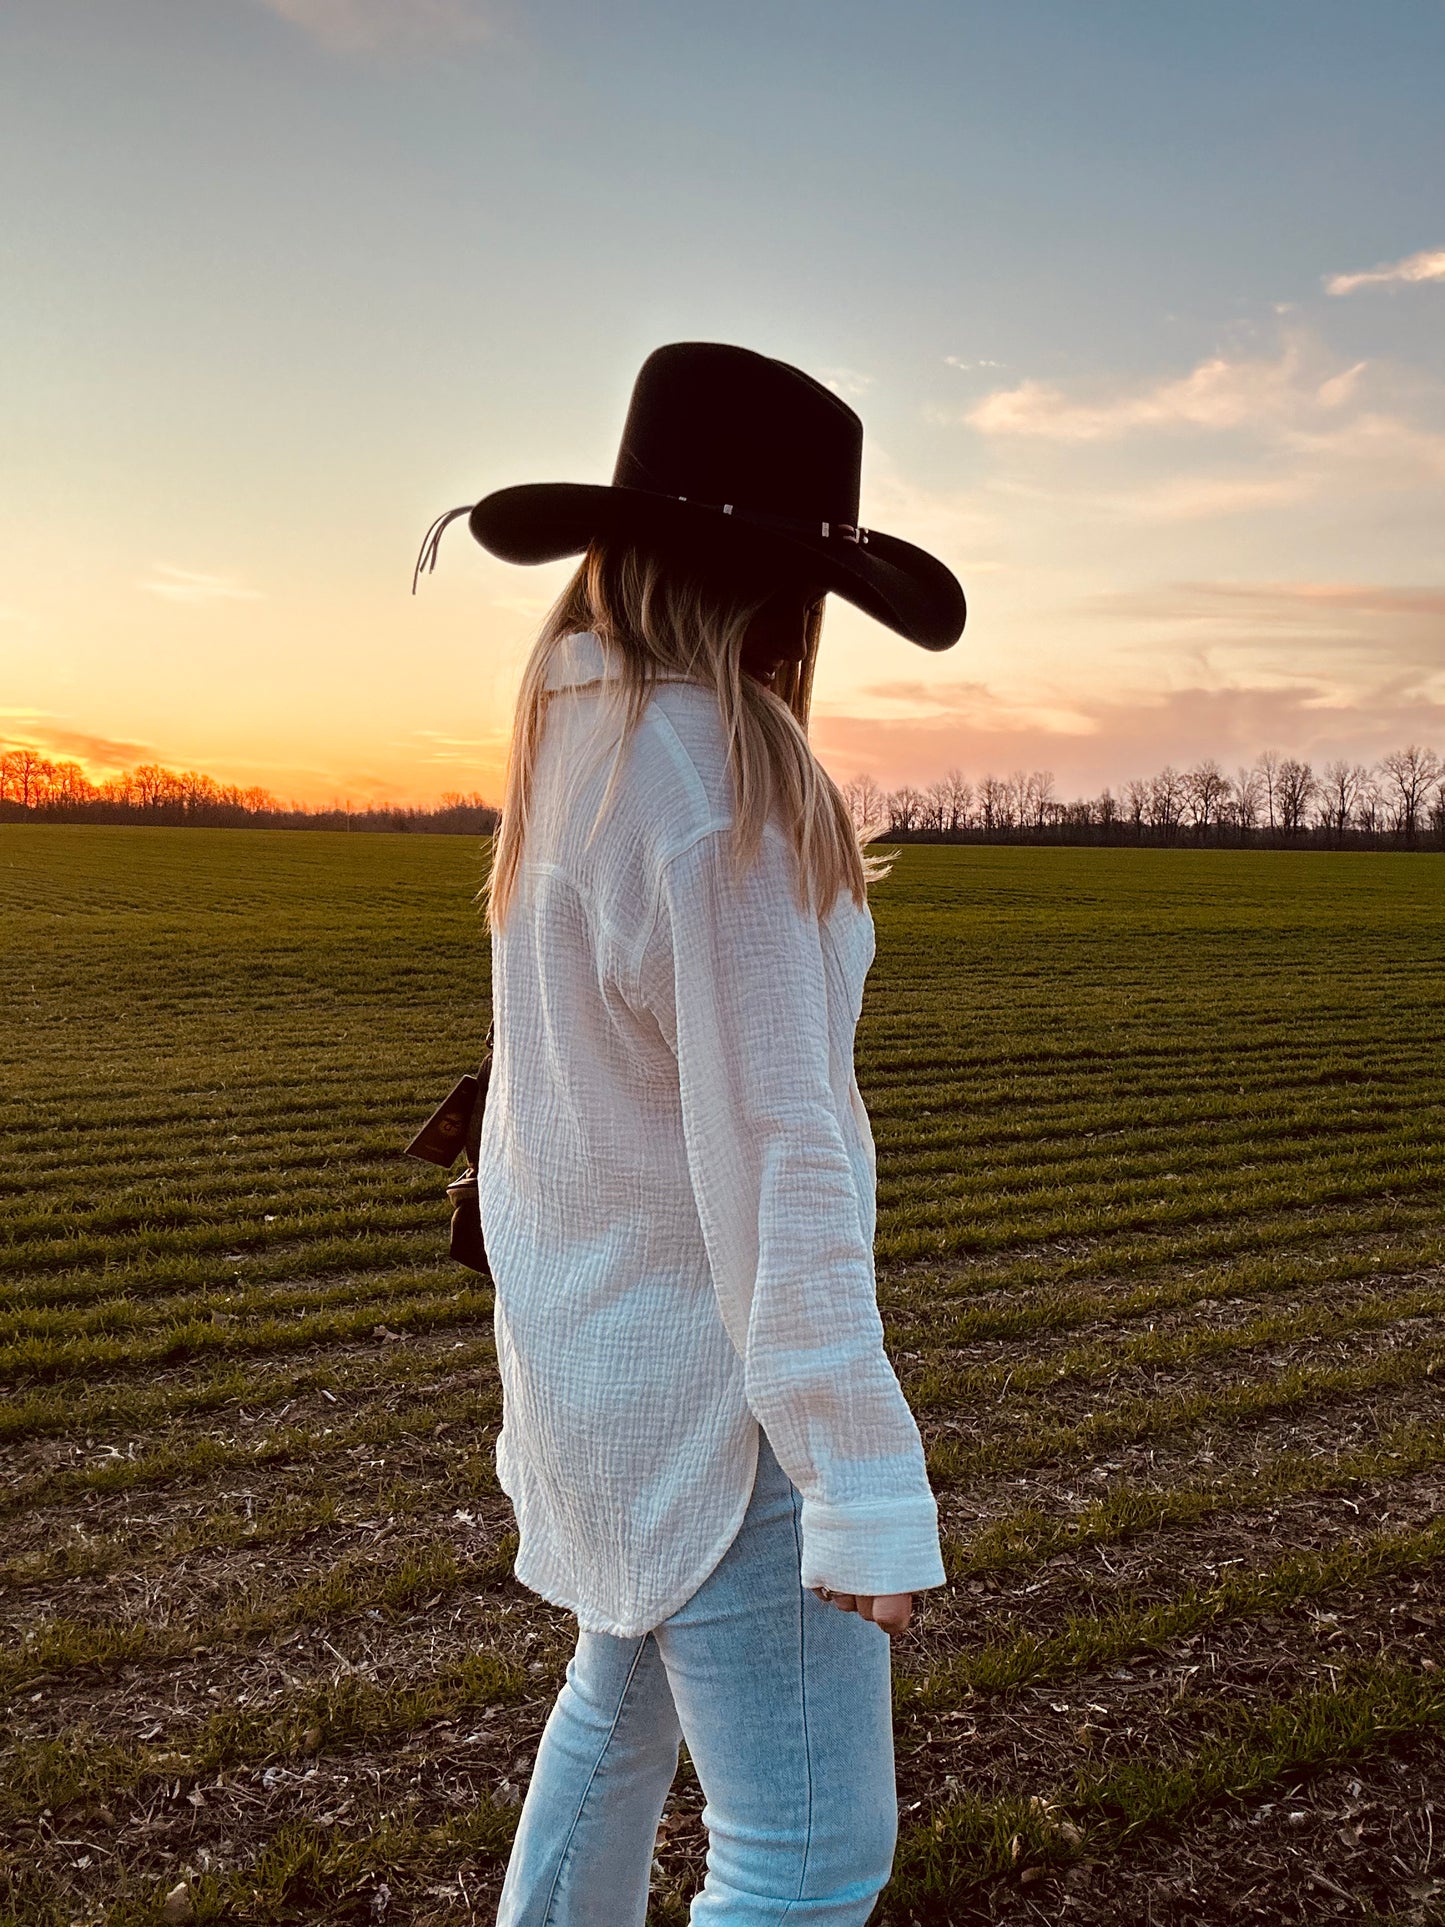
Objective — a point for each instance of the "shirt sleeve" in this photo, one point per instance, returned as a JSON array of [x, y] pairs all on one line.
[[736, 975]]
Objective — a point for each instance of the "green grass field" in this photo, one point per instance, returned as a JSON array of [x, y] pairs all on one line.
[[1161, 1259]]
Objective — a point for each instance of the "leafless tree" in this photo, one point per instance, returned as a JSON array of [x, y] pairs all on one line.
[[993, 801], [24, 776], [1340, 791], [957, 795], [1166, 801], [1248, 799], [1019, 798], [868, 806], [1410, 775], [151, 785], [1294, 785], [1204, 790], [1039, 798], [905, 807], [1136, 799], [69, 786], [1268, 767], [934, 814], [1370, 806]]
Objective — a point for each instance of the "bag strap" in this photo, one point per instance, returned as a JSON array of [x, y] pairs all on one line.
[[474, 1122]]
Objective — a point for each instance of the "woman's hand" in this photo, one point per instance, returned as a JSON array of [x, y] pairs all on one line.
[[890, 1610]]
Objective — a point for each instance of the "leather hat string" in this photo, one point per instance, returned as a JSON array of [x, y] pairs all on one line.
[[427, 559]]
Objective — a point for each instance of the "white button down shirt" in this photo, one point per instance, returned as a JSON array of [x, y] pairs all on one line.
[[678, 1187]]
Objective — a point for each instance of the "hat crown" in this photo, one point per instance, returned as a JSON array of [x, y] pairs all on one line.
[[723, 425]]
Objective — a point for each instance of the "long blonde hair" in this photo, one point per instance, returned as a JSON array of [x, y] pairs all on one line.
[[680, 615]]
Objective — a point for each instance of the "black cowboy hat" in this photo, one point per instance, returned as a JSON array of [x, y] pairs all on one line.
[[726, 448]]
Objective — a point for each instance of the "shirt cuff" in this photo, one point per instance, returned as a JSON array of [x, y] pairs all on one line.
[[873, 1549]]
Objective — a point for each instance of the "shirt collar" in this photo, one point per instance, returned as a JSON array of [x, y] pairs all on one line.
[[583, 658], [578, 659]]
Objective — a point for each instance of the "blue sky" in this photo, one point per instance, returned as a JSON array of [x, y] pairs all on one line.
[[285, 277]]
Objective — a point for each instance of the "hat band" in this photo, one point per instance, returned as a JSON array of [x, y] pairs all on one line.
[[760, 518], [785, 524]]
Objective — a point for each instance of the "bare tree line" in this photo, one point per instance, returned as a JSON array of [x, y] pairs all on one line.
[[1277, 800], [32, 786]]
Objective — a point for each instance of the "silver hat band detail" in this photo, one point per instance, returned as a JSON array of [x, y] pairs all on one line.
[[785, 524]]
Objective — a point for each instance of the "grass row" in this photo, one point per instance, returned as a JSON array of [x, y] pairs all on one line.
[[1013, 1543], [1026, 1538], [1091, 1640], [86, 1414], [948, 1385], [964, 1202], [434, 1305], [970, 1843], [347, 1712], [352, 1584], [944, 1860], [951, 1461], [197, 1460]]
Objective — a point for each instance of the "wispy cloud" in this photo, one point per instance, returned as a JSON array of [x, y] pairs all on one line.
[[188, 585], [433, 746], [1237, 435], [1273, 599], [367, 26], [33, 729], [1219, 393], [956, 361], [1428, 265], [1364, 638], [976, 706], [846, 381]]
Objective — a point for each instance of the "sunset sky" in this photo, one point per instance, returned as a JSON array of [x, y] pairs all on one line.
[[1142, 305]]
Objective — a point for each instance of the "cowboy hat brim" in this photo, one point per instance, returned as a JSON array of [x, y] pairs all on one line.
[[899, 585]]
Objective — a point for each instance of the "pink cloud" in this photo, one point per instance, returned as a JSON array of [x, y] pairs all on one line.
[[1134, 736], [97, 752]]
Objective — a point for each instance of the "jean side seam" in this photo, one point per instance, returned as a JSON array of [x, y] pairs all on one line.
[[586, 1791], [803, 1697]]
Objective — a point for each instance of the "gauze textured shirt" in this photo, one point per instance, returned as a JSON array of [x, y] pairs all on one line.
[[677, 1185]]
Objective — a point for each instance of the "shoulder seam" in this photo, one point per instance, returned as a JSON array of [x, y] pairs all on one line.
[[664, 863], [683, 761], [677, 750]]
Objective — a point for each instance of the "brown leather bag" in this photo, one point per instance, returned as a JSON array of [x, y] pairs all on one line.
[[456, 1126]]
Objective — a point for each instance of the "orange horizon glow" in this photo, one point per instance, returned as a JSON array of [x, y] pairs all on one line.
[[287, 277]]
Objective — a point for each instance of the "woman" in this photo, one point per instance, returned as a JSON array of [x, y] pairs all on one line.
[[709, 1455]]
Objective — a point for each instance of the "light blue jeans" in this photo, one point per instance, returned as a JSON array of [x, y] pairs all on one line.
[[786, 1705]]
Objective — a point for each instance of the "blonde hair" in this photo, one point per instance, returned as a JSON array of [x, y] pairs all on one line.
[[681, 615]]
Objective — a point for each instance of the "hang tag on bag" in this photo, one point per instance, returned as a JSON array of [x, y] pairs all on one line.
[[454, 1127], [443, 1138]]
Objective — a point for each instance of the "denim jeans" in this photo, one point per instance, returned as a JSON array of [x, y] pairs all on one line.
[[786, 1705]]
